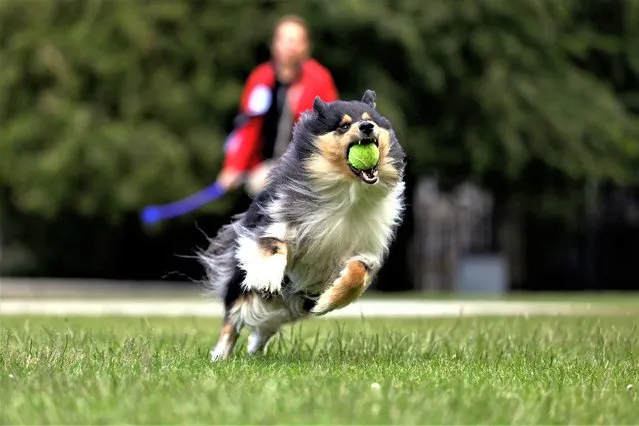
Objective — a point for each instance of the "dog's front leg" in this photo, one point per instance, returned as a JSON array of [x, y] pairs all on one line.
[[353, 280], [264, 261]]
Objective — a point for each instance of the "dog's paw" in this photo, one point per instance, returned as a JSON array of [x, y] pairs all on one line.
[[221, 352], [323, 304], [216, 356], [352, 282]]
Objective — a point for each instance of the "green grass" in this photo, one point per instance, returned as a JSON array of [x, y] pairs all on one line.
[[552, 370]]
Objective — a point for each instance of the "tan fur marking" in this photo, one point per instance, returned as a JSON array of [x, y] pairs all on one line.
[[349, 286], [237, 305], [332, 155], [271, 246], [366, 116], [228, 335], [385, 167], [229, 330], [346, 120]]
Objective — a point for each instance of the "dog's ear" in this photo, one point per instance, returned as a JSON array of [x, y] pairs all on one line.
[[369, 98], [319, 106]]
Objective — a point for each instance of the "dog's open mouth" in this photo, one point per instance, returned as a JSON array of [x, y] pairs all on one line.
[[368, 176]]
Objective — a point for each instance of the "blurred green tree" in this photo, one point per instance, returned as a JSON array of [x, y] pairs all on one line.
[[109, 105]]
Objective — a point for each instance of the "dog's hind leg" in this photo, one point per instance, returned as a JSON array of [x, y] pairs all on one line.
[[225, 344], [232, 324], [259, 338], [264, 315]]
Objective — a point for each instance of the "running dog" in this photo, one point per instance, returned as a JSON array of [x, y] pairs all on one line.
[[316, 235]]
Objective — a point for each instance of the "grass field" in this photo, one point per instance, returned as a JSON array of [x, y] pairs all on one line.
[[550, 370]]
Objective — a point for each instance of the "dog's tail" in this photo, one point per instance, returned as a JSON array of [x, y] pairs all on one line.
[[219, 260]]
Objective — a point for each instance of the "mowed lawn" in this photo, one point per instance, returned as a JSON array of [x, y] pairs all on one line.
[[559, 370]]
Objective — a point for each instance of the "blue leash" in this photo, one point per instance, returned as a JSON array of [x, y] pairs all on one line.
[[153, 214]]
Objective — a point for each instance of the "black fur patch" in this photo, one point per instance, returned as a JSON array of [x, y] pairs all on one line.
[[270, 245], [256, 216], [234, 289], [309, 303]]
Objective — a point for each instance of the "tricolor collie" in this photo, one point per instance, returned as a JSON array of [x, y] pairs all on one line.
[[315, 237]]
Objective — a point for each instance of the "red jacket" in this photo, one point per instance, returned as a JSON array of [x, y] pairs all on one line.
[[244, 145]]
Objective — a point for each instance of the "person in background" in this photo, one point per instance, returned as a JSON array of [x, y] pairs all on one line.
[[275, 95]]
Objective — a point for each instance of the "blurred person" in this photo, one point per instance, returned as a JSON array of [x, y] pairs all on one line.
[[275, 95]]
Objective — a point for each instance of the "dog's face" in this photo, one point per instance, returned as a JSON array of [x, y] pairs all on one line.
[[337, 126]]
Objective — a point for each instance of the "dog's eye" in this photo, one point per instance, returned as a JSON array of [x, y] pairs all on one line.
[[344, 127]]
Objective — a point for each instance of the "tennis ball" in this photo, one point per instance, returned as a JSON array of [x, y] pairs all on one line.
[[363, 156]]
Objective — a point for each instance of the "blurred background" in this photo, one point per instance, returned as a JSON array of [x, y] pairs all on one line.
[[520, 119]]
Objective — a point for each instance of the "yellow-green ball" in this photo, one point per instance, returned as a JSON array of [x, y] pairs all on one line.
[[363, 156]]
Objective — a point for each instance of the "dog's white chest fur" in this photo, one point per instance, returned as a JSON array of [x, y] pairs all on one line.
[[352, 219]]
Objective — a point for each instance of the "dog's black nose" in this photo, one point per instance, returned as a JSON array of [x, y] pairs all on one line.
[[366, 127]]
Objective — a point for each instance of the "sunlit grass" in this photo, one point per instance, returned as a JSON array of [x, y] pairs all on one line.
[[472, 370]]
